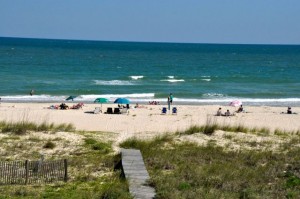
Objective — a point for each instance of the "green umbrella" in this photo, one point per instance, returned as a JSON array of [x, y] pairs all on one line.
[[71, 97], [101, 100]]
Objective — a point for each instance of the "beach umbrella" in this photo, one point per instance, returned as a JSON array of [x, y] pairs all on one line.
[[101, 100], [235, 103], [71, 97], [122, 101]]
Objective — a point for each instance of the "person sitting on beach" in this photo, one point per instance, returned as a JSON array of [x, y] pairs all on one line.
[[63, 106], [241, 109], [219, 112], [227, 113], [153, 103], [289, 110]]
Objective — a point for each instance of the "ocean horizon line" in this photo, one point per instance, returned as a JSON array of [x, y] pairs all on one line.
[[150, 42]]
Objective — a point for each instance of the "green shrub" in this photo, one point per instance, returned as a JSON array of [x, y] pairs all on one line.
[[90, 141]]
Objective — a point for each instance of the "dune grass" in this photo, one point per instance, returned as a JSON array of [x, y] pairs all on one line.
[[91, 162], [22, 127], [91, 175], [187, 170], [211, 126]]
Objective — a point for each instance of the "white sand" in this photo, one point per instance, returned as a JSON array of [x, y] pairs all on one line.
[[149, 120], [144, 122]]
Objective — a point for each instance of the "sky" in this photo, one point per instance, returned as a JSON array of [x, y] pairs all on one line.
[[183, 21]]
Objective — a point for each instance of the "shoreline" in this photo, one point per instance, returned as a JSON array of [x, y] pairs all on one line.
[[179, 103]]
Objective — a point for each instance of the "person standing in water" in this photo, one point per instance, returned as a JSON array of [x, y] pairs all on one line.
[[169, 106], [171, 98], [31, 92]]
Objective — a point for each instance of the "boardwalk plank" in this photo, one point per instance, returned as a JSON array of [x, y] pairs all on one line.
[[136, 174]]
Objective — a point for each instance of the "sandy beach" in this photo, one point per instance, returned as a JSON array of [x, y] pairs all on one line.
[[148, 121]]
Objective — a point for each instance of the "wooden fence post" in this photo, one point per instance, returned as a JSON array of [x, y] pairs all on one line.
[[66, 170], [26, 171]]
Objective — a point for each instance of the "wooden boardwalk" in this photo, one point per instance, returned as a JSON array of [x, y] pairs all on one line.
[[136, 174]]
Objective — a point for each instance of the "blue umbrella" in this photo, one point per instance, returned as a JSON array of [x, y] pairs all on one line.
[[122, 101]]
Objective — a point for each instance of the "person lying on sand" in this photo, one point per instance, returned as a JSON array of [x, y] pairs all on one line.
[[139, 106], [53, 107], [77, 106]]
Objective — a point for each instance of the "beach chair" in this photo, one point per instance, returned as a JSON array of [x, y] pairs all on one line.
[[164, 110], [109, 110], [174, 110], [124, 111], [117, 111], [97, 110]]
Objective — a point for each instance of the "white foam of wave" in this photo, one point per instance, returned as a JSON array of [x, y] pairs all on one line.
[[112, 97], [208, 80], [171, 77], [35, 98], [227, 100], [113, 82], [172, 80], [137, 77], [205, 76], [145, 97], [85, 98], [247, 100], [213, 95]]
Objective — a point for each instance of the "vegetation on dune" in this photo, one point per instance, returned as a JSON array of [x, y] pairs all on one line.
[[187, 170], [211, 126], [91, 162], [22, 127], [178, 169]]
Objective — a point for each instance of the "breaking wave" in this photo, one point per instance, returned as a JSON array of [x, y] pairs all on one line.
[[208, 80], [172, 80], [113, 82], [137, 77]]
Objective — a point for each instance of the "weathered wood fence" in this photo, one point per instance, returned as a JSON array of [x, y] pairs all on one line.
[[31, 172]]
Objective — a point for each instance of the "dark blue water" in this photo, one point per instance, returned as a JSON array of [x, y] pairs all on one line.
[[194, 73]]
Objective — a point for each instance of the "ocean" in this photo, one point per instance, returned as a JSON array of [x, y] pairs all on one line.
[[142, 72]]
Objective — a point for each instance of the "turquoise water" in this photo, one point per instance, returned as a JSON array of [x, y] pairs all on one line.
[[194, 73]]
